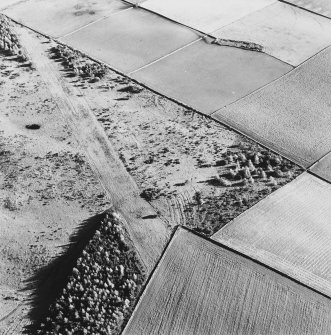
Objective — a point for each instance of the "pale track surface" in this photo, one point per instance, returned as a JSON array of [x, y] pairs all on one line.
[[15, 322], [148, 235]]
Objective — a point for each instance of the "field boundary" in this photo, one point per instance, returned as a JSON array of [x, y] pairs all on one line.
[[91, 23], [274, 193], [256, 261], [209, 116], [150, 276], [183, 104], [163, 57], [262, 87], [315, 163], [204, 36], [303, 8], [270, 145], [317, 176], [221, 245]]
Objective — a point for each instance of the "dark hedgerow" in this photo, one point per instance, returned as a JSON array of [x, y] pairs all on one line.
[[102, 288], [9, 43]]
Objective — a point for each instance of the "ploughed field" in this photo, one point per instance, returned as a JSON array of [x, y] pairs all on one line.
[[288, 231], [200, 287]]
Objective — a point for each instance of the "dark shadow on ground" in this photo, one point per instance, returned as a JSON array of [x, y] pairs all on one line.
[[47, 284], [6, 55]]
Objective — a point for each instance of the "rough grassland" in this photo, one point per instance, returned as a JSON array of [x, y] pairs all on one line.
[[202, 288], [192, 170]]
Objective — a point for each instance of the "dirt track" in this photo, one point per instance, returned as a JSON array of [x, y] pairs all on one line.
[[46, 187], [148, 234]]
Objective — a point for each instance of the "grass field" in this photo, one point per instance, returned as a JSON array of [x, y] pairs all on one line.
[[292, 114], [285, 32], [200, 287], [205, 16], [289, 230], [61, 17], [131, 39], [207, 76]]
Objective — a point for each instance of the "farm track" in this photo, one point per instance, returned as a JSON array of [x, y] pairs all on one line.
[[15, 321], [148, 235], [176, 205], [10, 313]]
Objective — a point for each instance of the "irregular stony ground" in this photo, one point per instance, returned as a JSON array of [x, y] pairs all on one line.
[[47, 187], [194, 171]]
